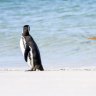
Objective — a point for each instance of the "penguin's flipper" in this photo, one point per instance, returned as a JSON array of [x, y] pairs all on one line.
[[27, 49]]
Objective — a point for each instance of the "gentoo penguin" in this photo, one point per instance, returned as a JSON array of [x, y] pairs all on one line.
[[30, 50]]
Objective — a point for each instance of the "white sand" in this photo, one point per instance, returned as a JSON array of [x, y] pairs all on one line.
[[48, 83]]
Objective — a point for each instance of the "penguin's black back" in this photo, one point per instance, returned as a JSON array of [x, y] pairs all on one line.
[[35, 51]]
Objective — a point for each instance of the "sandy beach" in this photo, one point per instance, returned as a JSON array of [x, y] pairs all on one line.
[[48, 83]]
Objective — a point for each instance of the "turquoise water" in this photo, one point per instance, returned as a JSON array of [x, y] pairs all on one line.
[[61, 29]]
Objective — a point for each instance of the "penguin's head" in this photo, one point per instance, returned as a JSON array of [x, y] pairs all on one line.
[[26, 29]]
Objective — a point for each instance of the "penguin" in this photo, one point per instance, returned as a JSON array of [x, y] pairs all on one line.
[[30, 50]]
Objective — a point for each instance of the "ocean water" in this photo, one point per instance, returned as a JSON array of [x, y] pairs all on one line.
[[61, 29]]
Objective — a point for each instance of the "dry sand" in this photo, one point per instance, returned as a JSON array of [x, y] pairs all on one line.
[[48, 83]]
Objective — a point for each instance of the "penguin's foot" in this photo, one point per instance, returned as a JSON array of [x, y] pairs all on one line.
[[36, 68], [33, 69]]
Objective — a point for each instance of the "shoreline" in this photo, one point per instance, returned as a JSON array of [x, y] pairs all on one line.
[[65, 69]]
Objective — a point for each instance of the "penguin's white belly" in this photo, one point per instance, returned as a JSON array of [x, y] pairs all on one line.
[[23, 46]]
